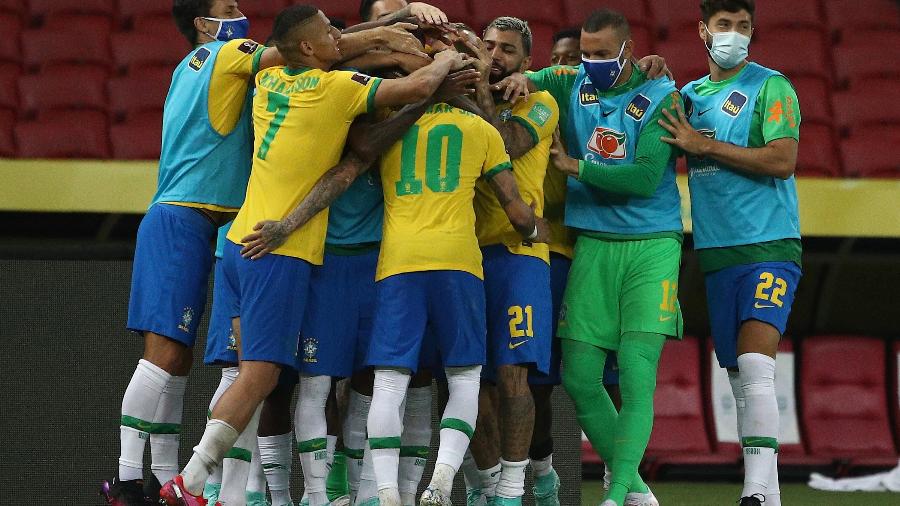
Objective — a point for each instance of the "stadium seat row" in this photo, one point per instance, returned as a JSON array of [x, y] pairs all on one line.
[[835, 403]]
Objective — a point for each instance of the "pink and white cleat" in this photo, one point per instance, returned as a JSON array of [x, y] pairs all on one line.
[[173, 493]]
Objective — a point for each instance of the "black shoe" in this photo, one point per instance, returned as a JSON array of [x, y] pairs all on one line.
[[753, 500], [151, 490], [123, 493]]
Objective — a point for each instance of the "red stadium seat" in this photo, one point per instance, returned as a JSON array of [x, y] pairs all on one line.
[[673, 16], [343, 9], [843, 399], [52, 47], [806, 55], [53, 89], [817, 156], [536, 10], [133, 50], [45, 7], [9, 78], [865, 105], [847, 16], [872, 154], [541, 44], [875, 40], [145, 91], [132, 9], [10, 27], [7, 144], [261, 29], [636, 11], [643, 41], [139, 138], [82, 23], [456, 10], [770, 14], [65, 134], [815, 100], [268, 8], [16, 7], [857, 63], [686, 59]]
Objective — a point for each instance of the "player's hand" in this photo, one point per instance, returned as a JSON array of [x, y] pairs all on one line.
[[514, 87], [461, 82], [427, 13], [482, 60], [268, 235], [543, 230], [654, 66], [560, 157], [684, 135], [457, 59], [410, 63], [397, 37]]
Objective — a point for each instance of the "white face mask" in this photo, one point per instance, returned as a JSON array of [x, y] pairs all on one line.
[[728, 49]]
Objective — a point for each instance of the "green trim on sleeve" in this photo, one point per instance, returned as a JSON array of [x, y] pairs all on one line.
[[370, 101], [256, 59], [496, 170], [529, 127]]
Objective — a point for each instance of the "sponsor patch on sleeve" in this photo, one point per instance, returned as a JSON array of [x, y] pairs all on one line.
[[540, 113], [638, 107], [361, 78], [198, 59], [248, 46]]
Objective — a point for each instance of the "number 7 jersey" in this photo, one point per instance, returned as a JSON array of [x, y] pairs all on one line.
[[429, 189]]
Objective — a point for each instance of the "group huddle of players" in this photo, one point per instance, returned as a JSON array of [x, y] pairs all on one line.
[[402, 204]]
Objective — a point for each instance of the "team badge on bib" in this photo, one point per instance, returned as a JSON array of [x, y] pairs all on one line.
[[734, 103], [608, 143], [638, 107], [199, 59]]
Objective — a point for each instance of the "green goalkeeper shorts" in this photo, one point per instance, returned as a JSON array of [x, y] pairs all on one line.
[[616, 287]]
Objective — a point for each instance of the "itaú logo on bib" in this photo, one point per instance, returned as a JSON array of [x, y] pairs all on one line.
[[608, 143]]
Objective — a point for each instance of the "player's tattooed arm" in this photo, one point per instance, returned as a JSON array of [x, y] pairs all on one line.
[[520, 214]]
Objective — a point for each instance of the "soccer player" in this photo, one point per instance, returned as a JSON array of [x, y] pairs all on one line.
[[272, 291], [622, 199], [566, 49], [516, 272], [740, 130]]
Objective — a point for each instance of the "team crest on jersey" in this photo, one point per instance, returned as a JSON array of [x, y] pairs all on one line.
[[310, 350], [186, 318], [361, 78], [638, 107], [198, 59], [588, 95], [734, 103], [608, 143], [506, 114]]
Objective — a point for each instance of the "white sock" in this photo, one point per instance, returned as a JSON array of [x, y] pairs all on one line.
[[512, 479], [385, 425], [543, 466], [256, 480], [368, 487], [489, 479], [607, 476], [138, 409], [217, 439], [330, 445], [759, 424], [458, 419], [773, 489], [414, 442], [236, 465], [312, 431], [355, 438], [470, 472], [229, 374], [275, 456], [164, 446]]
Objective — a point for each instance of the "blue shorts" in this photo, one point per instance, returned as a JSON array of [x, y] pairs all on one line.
[[447, 306], [272, 294], [338, 322], [221, 348], [519, 310], [559, 273], [762, 291], [172, 260]]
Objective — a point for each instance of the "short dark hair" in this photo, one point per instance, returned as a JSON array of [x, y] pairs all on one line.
[[567, 33], [185, 11], [511, 24], [709, 8], [365, 9], [287, 20], [607, 18], [464, 27]]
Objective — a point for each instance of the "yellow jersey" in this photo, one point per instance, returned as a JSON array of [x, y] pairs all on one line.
[[539, 114], [562, 240], [300, 120], [429, 186]]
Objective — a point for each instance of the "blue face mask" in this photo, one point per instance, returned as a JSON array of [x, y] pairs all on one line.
[[603, 73], [230, 29]]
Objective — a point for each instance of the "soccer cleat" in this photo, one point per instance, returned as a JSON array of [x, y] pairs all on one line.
[[609, 502], [343, 500], [211, 492], [753, 500], [173, 493], [257, 499], [151, 490], [123, 493], [639, 499], [506, 501], [474, 497], [434, 497], [546, 489]]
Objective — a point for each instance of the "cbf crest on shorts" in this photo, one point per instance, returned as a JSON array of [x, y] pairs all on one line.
[[187, 317], [310, 350]]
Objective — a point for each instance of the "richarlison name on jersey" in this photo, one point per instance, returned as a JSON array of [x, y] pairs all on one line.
[[276, 85]]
